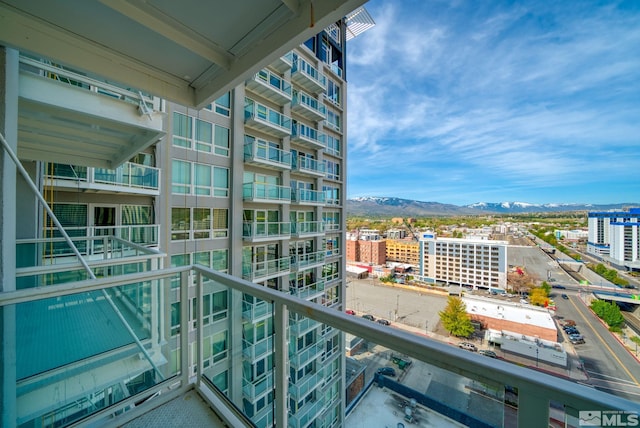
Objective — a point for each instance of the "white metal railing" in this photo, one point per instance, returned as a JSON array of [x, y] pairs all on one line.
[[51, 71], [536, 389]]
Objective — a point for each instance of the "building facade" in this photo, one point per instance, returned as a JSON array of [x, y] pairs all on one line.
[[252, 185], [480, 264], [403, 251], [615, 237]]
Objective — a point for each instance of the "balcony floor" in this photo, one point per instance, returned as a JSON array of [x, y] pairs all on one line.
[[188, 410]]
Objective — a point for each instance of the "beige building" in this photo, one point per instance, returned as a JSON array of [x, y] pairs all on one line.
[[403, 251]]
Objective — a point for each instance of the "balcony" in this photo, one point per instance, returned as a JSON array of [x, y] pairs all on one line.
[[263, 270], [307, 136], [261, 118], [255, 351], [331, 227], [60, 111], [304, 386], [305, 229], [283, 63], [270, 86], [260, 153], [265, 231], [306, 414], [129, 177], [256, 389], [268, 193], [300, 358], [309, 166], [306, 261], [308, 197], [109, 379], [308, 107], [50, 261], [308, 292], [307, 76]]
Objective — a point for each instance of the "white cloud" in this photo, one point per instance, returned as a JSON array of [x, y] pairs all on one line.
[[535, 95]]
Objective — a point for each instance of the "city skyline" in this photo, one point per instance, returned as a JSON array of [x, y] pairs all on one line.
[[534, 102]]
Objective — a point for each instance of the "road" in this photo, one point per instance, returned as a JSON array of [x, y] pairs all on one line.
[[608, 364]]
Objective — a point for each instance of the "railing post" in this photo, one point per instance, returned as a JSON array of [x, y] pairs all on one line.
[[281, 317], [184, 327]]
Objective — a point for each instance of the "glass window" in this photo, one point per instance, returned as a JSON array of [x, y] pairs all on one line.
[[180, 177], [204, 135], [223, 104], [181, 130], [201, 223], [220, 181], [220, 260], [220, 222], [221, 141], [180, 223], [202, 179], [219, 345]]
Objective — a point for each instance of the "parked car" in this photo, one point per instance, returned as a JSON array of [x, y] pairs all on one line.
[[468, 346], [383, 322], [350, 312], [569, 323], [564, 296], [558, 286], [577, 341], [387, 371], [572, 330], [369, 317], [488, 353]]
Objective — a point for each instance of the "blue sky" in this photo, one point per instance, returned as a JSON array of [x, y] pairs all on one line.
[[489, 101]]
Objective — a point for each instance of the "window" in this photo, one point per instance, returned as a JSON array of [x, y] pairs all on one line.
[[175, 319], [180, 177], [334, 92], [207, 223], [207, 180], [333, 170], [209, 137], [333, 120], [181, 130], [333, 145], [219, 345], [331, 195], [223, 105], [180, 223]]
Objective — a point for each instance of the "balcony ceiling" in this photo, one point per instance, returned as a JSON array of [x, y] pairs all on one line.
[[189, 51]]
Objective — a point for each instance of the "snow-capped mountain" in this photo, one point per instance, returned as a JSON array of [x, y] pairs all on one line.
[[391, 206]]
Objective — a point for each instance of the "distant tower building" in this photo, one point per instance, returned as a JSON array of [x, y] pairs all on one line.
[[615, 236]]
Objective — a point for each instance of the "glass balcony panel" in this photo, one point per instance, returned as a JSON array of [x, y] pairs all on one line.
[[309, 197], [76, 354], [261, 153], [308, 106], [255, 231], [69, 172], [308, 136], [271, 86], [262, 118], [309, 166], [129, 175], [308, 228], [261, 192], [307, 76]]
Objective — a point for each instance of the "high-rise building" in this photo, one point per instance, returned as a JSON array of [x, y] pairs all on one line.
[[252, 184], [615, 237]]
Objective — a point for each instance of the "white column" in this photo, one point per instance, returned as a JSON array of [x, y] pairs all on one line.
[[9, 129]]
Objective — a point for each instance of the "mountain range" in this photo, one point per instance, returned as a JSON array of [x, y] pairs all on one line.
[[391, 206]]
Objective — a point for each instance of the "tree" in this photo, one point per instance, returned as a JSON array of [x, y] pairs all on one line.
[[520, 281], [538, 297], [546, 287], [609, 312], [455, 318]]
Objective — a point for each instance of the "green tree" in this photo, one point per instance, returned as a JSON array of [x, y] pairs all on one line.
[[546, 287], [455, 319], [609, 312]]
